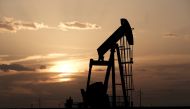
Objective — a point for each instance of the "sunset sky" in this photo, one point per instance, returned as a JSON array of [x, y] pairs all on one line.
[[45, 47]]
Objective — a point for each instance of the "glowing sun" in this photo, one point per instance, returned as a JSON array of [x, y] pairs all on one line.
[[65, 67]]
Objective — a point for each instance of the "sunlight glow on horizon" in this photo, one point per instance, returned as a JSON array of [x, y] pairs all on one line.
[[66, 67]]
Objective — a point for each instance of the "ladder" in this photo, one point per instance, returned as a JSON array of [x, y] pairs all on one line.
[[126, 54]]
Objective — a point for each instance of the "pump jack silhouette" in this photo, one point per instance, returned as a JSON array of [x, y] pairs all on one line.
[[121, 41]]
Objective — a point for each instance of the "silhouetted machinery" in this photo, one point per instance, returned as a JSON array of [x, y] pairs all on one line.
[[96, 94]]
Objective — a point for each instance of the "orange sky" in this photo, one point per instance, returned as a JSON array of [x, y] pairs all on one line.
[[39, 33]]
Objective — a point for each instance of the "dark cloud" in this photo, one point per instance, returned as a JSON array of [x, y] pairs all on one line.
[[170, 35], [163, 82], [179, 33], [100, 69], [16, 67], [22, 89], [43, 67], [185, 36], [6, 26]]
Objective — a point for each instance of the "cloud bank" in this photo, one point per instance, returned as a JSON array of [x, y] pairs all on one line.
[[23, 88], [78, 25], [8, 24], [15, 67], [170, 35], [7, 59], [159, 82], [12, 25]]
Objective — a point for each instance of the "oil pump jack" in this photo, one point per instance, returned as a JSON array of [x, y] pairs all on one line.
[[96, 94]]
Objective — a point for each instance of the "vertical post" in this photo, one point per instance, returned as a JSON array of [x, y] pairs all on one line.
[[140, 98], [89, 74], [59, 105], [31, 105], [113, 79], [106, 81], [39, 102]]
